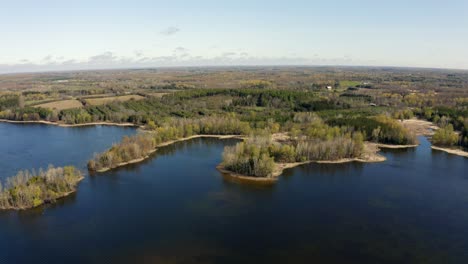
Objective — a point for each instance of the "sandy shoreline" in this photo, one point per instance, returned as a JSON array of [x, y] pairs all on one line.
[[458, 152], [388, 146], [420, 127], [69, 125], [244, 178], [164, 145], [426, 128], [128, 162]]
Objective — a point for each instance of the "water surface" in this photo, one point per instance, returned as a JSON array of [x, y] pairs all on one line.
[[177, 208]]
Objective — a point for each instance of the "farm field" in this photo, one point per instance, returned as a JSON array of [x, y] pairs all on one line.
[[105, 100], [62, 105], [157, 95]]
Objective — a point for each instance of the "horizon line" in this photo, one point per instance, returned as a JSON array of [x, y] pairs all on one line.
[[236, 66]]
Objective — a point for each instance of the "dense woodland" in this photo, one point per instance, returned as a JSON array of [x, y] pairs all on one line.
[[29, 189]]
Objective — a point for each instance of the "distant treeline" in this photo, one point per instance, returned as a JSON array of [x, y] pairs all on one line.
[[278, 104]]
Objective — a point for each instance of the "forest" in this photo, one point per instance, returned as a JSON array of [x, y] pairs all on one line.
[[365, 100]]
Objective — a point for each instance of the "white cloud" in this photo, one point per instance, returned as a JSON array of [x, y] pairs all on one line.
[[170, 31], [179, 57], [103, 58]]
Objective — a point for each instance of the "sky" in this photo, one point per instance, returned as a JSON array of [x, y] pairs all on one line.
[[69, 35]]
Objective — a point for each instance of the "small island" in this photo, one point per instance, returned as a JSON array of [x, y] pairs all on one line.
[[28, 189]]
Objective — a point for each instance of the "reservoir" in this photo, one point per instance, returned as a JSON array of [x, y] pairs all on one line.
[[177, 208]]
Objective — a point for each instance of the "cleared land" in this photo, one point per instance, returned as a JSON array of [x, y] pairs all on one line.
[[420, 127], [157, 95], [62, 105], [105, 100]]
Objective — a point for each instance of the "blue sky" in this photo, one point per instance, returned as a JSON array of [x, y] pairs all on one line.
[[55, 35]]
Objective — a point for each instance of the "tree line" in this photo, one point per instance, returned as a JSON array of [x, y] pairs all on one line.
[[381, 128]]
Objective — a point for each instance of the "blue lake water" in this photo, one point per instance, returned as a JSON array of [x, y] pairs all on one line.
[[177, 208]]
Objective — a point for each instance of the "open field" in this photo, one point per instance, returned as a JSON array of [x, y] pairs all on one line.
[[105, 100], [62, 105], [420, 127], [346, 84], [157, 95]]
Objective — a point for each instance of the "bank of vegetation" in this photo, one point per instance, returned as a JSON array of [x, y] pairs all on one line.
[[452, 121], [445, 137], [28, 189], [381, 129]]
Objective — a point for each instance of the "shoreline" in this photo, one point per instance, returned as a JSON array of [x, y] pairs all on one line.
[[419, 126], [69, 125], [59, 197], [389, 146], [164, 145], [370, 156], [427, 129], [453, 151]]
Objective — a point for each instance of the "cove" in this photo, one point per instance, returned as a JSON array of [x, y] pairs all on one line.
[[177, 208]]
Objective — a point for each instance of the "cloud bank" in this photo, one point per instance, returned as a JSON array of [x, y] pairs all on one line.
[[180, 57]]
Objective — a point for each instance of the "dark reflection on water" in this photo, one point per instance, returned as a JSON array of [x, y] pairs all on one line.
[[34, 146], [177, 208]]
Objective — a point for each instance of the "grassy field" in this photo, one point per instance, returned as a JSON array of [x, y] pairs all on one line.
[[157, 95], [346, 84], [61, 105], [105, 100]]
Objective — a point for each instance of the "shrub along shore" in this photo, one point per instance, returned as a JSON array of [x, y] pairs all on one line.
[[69, 125], [146, 152], [29, 189]]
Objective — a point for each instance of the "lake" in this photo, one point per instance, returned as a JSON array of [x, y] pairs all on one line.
[[177, 208]]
